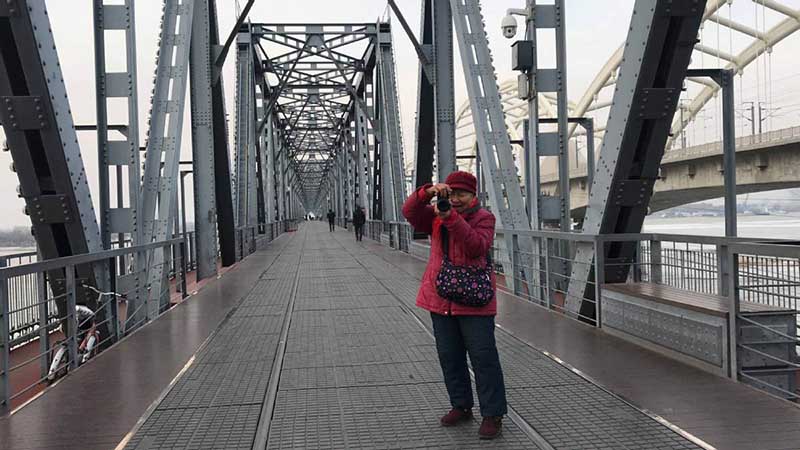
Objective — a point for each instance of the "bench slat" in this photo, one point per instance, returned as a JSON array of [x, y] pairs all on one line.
[[706, 303]]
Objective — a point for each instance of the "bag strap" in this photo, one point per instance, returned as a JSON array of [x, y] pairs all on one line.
[[445, 238]]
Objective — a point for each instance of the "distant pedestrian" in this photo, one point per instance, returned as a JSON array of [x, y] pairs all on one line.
[[359, 219], [458, 288], [331, 218]]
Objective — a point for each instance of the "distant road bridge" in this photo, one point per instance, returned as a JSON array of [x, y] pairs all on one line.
[[765, 162]]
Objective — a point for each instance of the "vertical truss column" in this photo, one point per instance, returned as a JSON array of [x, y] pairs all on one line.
[[341, 189], [657, 53], [444, 89], [426, 103], [377, 183], [264, 158], [261, 188], [277, 168], [494, 146], [350, 172], [163, 149], [37, 122], [282, 167], [391, 134], [369, 135], [555, 144], [121, 155], [268, 171], [205, 197], [244, 193], [291, 194], [222, 171], [362, 157]]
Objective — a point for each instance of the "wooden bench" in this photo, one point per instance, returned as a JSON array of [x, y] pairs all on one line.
[[712, 304], [692, 327]]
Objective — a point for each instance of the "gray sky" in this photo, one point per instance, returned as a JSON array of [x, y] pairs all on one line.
[[595, 30]]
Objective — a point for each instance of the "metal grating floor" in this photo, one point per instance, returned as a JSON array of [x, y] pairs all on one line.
[[359, 371]]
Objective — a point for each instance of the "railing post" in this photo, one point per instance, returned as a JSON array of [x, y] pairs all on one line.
[[546, 278], [5, 394], [44, 336], [655, 262], [637, 263], [182, 248], [599, 279], [142, 294], [733, 314], [71, 319], [723, 270], [114, 303], [515, 264]]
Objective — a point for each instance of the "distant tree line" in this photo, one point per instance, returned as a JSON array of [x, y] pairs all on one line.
[[17, 237]]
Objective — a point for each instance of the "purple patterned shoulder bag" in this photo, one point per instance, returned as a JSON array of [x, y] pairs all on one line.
[[465, 285]]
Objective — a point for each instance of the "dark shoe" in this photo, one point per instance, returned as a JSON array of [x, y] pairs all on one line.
[[456, 416], [490, 427]]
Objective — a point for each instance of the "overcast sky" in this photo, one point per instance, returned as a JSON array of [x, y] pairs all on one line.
[[595, 30]]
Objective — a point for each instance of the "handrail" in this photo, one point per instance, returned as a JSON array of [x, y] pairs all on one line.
[[781, 249], [19, 255], [57, 263]]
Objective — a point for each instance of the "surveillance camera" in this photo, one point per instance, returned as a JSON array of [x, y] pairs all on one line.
[[509, 26]]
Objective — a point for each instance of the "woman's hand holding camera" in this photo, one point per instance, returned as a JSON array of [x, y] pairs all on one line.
[[442, 192]]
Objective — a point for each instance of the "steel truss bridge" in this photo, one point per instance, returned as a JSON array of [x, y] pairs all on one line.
[[295, 320]]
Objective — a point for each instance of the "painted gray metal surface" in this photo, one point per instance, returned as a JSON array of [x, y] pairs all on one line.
[[40, 134], [444, 88], [657, 52], [268, 165], [694, 334], [502, 181], [425, 125], [362, 159], [245, 156], [162, 155], [549, 17], [391, 134], [121, 155], [205, 203], [226, 226]]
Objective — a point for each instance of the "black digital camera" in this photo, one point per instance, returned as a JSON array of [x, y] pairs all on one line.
[[443, 205]]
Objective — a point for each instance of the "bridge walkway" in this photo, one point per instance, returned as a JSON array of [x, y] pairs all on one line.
[[329, 346], [314, 342]]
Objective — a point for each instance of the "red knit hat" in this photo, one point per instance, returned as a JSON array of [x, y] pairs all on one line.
[[462, 180]]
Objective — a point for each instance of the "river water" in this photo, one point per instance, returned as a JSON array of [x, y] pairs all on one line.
[[772, 227]]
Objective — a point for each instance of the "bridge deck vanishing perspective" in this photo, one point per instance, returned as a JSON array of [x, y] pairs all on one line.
[[314, 342]]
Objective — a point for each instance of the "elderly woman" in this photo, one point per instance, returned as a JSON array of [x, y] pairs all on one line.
[[461, 237]]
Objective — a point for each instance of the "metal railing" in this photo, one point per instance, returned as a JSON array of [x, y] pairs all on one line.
[[191, 250], [542, 275], [38, 298], [767, 346], [62, 284], [742, 143], [22, 291], [373, 229]]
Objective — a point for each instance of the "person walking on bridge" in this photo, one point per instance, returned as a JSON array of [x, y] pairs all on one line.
[[458, 289], [331, 218], [359, 219]]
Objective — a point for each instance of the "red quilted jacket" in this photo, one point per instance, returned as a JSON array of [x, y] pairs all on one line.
[[470, 237]]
